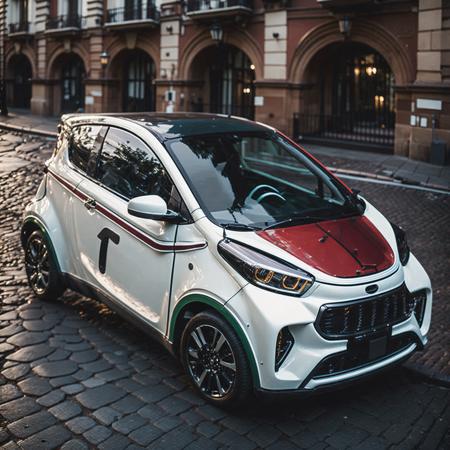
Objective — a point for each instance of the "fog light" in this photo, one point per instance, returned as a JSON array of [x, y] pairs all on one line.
[[284, 343], [420, 300]]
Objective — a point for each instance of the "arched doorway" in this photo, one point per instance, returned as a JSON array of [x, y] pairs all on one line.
[[349, 97], [226, 77], [137, 81], [72, 75], [20, 74]]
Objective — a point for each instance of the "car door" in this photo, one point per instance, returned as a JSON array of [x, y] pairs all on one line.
[[66, 171], [127, 257]]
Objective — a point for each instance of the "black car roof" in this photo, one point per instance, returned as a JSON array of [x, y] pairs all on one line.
[[174, 125]]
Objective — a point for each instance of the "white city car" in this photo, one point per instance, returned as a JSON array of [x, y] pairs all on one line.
[[250, 261]]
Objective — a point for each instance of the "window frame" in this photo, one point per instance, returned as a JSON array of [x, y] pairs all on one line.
[[184, 211], [67, 132]]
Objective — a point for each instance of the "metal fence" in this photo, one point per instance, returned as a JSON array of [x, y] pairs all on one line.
[[200, 5], [347, 127], [124, 14], [20, 27], [64, 21]]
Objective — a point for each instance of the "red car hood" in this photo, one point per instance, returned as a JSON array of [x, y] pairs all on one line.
[[350, 247]]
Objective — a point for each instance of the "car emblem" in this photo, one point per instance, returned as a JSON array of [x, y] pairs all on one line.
[[372, 288]]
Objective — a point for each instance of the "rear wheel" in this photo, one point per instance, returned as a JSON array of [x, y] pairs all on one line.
[[214, 360], [41, 268]]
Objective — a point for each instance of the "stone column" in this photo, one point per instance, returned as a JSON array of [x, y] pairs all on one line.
[[430, 99], [41, 92], [95, 88], [272, 93], [169, 54]]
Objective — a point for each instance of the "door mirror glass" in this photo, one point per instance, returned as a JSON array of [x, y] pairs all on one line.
[[151, 207]]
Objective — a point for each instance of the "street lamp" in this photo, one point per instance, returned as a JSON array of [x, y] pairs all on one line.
[[216, 32], [104, 58], [345, 26]]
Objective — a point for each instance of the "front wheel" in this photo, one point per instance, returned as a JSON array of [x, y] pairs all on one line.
[[214, 360], [41, 268]]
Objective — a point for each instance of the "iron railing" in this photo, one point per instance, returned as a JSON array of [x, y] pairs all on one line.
[[346, 127], [64, 21], [20, 27], [124, 14], [206, 5]]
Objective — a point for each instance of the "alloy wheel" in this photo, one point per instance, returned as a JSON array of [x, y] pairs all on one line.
[[37, 264], [211, 361]]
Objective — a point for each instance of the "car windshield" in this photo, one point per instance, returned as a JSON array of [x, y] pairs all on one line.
[[258, 180]]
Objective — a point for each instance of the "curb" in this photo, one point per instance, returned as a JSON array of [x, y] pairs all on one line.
[[29, 130], [430, 375], [399, 181]]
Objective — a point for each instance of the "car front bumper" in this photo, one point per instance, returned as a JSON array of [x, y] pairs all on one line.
[[263, 314]]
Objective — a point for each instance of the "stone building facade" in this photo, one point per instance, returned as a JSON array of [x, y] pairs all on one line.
[[348, 72]]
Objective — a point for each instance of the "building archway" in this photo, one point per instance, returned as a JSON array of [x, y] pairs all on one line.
[[225, 78], [311, 50], [133, 73], [349, 97], [69, 77], [19, 75]]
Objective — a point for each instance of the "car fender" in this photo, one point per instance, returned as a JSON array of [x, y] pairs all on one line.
[[208, 300]]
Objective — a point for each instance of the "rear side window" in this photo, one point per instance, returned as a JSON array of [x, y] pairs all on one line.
[[82, 142], [128, 166]]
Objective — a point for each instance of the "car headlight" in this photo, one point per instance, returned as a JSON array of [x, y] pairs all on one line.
[[402, 244], [265, 271]]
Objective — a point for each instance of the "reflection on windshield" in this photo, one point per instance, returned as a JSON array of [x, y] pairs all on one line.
[[257, 180]]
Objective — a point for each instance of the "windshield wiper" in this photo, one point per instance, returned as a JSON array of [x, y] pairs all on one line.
[[302, 219], [238, 227], [293, 221]]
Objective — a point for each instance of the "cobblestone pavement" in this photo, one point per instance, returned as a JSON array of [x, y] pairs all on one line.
[[74, 375]]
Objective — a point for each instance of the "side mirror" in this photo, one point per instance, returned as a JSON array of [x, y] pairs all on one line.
[[151, 207]]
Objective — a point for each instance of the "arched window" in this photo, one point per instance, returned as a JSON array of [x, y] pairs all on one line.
[[72, 83], [138, 86], [231, 78]]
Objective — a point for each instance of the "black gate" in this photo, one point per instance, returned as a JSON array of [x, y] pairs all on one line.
[[138, 86], [72, 84], [356, 104], [231, 78]]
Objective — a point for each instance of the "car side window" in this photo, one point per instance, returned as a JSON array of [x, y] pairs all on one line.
[[127, 166], [83, 139]]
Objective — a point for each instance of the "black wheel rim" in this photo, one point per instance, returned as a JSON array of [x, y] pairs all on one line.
[[211, 361], [37, 264]]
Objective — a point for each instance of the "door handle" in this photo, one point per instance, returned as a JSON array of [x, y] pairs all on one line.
[[90, 204]]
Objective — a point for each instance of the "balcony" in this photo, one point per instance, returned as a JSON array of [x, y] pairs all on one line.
[[19, 30], [126, 18], [64, 24], [346, 6], [210, 10]]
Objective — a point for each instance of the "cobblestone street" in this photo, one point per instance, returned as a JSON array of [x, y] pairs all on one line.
[[75, 375]]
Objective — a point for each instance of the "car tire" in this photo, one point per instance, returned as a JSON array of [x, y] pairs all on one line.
[[215, 361], [41, 268]]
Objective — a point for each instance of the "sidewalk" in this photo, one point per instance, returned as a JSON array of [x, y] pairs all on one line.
[[382, 166], [341, 161], [23, 121]]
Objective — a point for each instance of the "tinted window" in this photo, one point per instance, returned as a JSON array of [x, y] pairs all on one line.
[[129, 167], [258, 180], [82, 142]]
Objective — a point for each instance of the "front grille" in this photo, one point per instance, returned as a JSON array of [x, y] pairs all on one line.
[[343, 320], [352, 360]]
